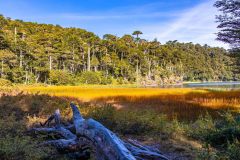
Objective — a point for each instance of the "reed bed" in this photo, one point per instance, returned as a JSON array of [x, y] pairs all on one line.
[[183, 103]]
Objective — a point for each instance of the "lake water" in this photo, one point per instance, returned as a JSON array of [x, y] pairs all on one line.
[[213, 85], [227, 85]]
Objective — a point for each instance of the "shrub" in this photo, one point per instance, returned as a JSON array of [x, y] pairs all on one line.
[[233, 150], [106, 80], [202, 128], [90, 78], [207, 153], [20, 147], [5, 83], [15, 144], [16, 75], [95, 78], [60, 77], [230, 153], [134, 122], [218, 133], [121, 80]]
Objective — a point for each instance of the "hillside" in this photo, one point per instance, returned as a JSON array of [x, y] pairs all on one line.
[[44, 53]]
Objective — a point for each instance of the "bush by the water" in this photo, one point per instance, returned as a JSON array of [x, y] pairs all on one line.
[[94, 78], [60, 77]]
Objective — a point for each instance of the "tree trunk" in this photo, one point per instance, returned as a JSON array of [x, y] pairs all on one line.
[[15, 35], [137, 73], [88, 135], [95, 68], [37, 77], [26, 77], [89, 59], [21, 59], [149, 69], [50, 63], [2, 70]]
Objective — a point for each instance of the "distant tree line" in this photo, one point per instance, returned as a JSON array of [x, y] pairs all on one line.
[[44, 53]]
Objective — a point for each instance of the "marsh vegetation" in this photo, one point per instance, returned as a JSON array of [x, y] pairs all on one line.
[[187, 123]]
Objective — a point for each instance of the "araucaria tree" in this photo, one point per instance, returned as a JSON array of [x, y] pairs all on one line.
[[229, 25], [41, 53], [229, 22]]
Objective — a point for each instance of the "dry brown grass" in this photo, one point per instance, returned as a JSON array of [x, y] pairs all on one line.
[[182, 103]]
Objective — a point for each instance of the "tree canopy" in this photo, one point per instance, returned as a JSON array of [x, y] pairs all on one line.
[[31, 52], [229, 22]]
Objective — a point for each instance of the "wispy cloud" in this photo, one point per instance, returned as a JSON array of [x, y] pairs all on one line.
[[193, 25], [149, 10], [164, 20]]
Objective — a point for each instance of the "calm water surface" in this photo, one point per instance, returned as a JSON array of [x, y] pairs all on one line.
[[220, 85]]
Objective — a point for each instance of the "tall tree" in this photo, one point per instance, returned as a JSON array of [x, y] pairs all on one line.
[[229, 22], [137, 33]]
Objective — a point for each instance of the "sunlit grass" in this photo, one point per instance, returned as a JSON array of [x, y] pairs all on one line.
[[181, 102], [91, 93]]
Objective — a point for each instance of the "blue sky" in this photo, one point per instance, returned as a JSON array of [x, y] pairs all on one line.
[[182, 20]]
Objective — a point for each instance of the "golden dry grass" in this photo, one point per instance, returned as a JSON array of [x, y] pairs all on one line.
[[181, 102]]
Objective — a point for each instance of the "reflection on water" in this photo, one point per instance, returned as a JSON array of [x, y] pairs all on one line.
[[221, 85]]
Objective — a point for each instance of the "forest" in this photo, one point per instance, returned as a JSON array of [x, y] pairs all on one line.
[[51, 54]]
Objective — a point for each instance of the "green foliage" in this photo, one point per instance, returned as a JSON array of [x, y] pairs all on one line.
[[218, 133], [90, 78], [15, 145], [233, 150], [15, 148], [60, 77], [16, 75], [133, 122], [95, 78], [202, 128], [38, 49], [207, 153], [229, 153], [223, 134], [106, 80], [15, 140]]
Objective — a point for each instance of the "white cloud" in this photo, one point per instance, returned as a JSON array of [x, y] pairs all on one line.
[[195, 25]]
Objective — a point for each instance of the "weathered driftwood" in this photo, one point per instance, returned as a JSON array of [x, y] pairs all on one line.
[[87, 135]]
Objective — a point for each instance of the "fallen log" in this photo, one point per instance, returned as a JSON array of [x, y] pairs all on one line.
[[87, 136]]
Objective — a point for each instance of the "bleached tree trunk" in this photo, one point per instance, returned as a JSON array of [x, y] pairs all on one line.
[[37, 77], [21, 59], [15, 35], [89, 58], [137, 72], [88, 134], [149, 69], [50, 62]]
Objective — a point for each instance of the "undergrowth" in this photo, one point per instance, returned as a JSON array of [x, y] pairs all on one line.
[[220, 137]]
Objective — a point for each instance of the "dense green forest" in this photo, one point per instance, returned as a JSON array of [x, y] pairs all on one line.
[[44, 53]]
